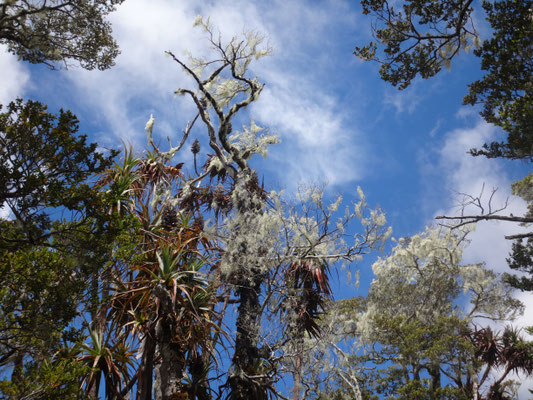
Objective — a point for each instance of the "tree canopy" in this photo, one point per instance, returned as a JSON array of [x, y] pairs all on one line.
[[163, 274], [415, 337], [419, 37], [166, 279], [53, 239], [63, 31]]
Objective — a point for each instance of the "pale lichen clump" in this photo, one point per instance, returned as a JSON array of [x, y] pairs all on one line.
[[423, 283], [226, 89], [215, 165], [283, 233], [253, 140], [237, 55], [250, 233], [271, 239], [270, 249], [424, 277]]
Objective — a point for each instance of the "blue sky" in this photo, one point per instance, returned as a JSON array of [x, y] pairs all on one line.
[[337, 121]]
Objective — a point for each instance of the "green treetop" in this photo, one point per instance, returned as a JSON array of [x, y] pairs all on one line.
[[419, 37], [59, 31]]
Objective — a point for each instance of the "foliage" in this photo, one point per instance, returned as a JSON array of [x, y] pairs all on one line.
[[521, 260], [56, 378], [53, 238], [273, 255], [418, 37], [44, 164], [59, 31], [154, 300], [196, 244], [173, 267], [522, 252], [509, 352], [412, 334], [506, 90]]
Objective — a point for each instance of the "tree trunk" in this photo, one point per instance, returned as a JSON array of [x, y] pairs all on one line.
[[144, 383], [169, 371], [170, 367], [199, 383], [246, 380], [435, 384], [297, 375], [247, 357], [18, 367]]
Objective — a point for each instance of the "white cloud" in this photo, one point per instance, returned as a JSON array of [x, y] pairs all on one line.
[[317, 145], [5, 212], [14, 76], [435, 128], [472, 176], [479, 177], [143, 80], [317, 142], [403, 101]]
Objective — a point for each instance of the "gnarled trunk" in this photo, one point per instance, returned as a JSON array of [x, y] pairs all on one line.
[[247, 354], [169, 370]]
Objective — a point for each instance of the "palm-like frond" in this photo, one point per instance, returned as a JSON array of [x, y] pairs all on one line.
[[110, 361]]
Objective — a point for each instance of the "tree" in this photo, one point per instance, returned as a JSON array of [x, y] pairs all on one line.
[[53, 32], [521, 254], [208, 240], [155, 299], [522, 260], [419, 37], [53, 238], [509, 352], [412, 334], [43, 164], [506, 90], [274, 260]]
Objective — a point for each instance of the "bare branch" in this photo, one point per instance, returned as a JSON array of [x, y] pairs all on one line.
[[519, 236], [470, 219], [487, 213]]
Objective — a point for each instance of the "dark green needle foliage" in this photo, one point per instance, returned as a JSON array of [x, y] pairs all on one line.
[[54, 237], [506, 90], [418, 37], [44, 165], [522, 260]]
